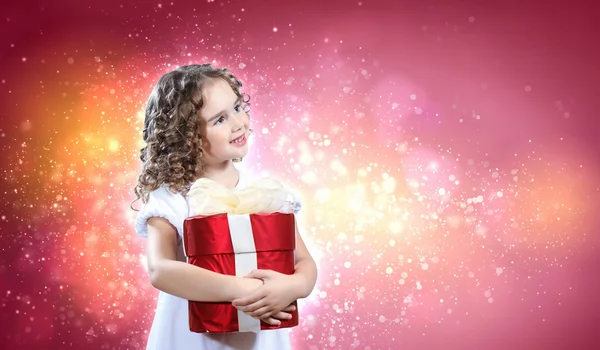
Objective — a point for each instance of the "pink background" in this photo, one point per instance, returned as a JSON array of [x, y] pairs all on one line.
[[446, 155]]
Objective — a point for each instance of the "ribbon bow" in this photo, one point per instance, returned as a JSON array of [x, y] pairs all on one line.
[[263, 196]]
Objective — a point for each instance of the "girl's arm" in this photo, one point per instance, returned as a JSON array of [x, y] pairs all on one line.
[[306, 269], [184, 280]]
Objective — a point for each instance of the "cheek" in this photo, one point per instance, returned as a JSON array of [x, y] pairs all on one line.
[[215, 136]]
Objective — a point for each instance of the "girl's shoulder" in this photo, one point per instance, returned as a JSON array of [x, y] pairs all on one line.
[[164, 203], [165, 194]]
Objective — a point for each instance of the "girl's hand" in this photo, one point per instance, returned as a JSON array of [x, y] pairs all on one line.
[[277, 293], [248, 285], [282, 315]]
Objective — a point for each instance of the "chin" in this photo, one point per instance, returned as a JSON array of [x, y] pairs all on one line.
[[239, 156]]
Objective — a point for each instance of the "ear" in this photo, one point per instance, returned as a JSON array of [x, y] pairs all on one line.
[[200, 147]]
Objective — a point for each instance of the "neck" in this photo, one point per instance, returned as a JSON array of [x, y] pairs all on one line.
[[225, 174]]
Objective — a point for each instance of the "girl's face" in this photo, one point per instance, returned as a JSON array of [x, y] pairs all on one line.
[[224, 126]]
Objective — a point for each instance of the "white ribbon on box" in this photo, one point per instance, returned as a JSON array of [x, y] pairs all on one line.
[[245, 260], [264, 196]]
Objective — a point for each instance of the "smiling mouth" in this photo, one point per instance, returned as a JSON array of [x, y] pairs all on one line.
[[239, 141]]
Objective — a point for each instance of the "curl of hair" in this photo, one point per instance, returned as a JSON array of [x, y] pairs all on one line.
[[171, 131]]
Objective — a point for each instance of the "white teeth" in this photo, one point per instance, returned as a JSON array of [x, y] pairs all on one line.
[[238, 140]]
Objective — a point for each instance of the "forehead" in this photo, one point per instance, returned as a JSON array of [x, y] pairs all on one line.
[[217, 96]]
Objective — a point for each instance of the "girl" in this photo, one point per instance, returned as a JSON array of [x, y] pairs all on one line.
[[196, 125]]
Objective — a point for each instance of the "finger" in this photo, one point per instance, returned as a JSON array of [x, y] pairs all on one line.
[[284, 316], [250, 299], [265, 311], [252, 307], [261, 274], [271, 321], [290, 308]]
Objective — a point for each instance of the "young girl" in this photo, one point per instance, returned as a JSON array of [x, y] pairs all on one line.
[[197, 125]]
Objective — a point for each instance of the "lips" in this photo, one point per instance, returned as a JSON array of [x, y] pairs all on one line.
[[239, 141]]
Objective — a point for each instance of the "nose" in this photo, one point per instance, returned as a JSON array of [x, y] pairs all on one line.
[[237, 121]]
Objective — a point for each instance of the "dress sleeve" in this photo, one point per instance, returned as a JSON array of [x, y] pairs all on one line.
[[165, 204], [295, 203]]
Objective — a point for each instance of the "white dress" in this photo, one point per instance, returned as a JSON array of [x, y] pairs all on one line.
[[170, 328]]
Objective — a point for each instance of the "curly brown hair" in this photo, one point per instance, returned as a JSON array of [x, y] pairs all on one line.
[[172, 128]]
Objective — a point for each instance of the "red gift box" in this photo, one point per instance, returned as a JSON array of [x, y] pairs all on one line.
[[235, 245]]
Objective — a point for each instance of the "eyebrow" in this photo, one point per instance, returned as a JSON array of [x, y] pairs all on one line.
[[238, 100]]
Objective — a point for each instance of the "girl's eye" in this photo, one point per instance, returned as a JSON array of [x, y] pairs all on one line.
[[237, 108], [220, 120]]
